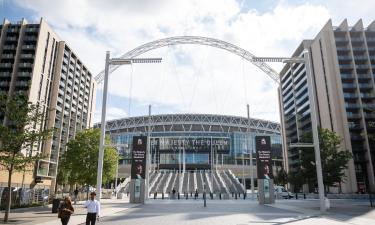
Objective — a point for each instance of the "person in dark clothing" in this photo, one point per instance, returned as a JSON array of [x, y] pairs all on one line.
[[76, 192], [196, 194], [65, 210]]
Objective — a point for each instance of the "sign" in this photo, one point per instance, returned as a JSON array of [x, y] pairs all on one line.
[[264, 158], [196, 144], [139, 157]]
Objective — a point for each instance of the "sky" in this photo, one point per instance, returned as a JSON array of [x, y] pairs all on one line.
[[191, 78]]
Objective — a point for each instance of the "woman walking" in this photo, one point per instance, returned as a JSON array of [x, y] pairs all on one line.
[[65, 210]]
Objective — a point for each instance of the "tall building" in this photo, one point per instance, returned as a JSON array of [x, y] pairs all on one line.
[[36, 62], [343, 69]]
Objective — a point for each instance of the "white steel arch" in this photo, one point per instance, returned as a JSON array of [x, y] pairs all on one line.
[[198, 41]]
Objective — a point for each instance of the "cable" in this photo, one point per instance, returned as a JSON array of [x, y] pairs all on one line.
[[130, 89]]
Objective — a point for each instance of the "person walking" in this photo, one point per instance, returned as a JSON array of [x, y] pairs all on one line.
[[196, 194], [93, 209], [65, 210], [76, 192]]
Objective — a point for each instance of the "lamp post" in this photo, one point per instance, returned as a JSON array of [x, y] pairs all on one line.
[[108, 62]]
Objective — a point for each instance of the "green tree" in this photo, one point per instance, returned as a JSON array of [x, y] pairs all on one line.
[[296, 179], [78, 165], [281, 177], [20, 132], [334, 161]]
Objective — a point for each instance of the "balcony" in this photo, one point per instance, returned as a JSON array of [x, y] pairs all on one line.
[[25, 65], [27, 56], [365, 85], [352, 105], [9, 47], [28, 47], [348, 95], [32, 29], [347, 76], [342, 48], [346, 66], [359, 49], [364, 76], [353, 115], [24, 74], [6, 65], [5, 74], [367, 95], [30, 38], [7, 56], [369, 115], [4, 84], [349, 85]]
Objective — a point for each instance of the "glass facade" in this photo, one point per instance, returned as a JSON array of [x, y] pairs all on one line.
[[195, 149]]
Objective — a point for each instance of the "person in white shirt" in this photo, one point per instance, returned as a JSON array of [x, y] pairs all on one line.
[[93, 209]]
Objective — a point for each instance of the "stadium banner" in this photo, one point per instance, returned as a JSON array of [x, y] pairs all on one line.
[[264, 157], [138, 167], [195, 144]]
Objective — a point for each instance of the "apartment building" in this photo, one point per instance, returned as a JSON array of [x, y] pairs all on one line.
[[35, 61], [343, 69]]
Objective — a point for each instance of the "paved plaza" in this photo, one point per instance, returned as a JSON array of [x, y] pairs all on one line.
[[236, 212]]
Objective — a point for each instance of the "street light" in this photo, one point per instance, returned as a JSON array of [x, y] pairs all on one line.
[[108, 62]]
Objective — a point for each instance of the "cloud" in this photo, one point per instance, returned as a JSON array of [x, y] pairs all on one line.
[[112, 113], [196, 79]]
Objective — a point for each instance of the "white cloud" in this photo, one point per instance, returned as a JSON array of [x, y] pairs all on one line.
[[112, 113], [191, 78]]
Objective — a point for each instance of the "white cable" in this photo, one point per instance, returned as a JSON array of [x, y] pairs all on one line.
[[130, 89]]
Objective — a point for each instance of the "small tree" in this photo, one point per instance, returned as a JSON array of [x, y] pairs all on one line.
[[334, 161], [296, 179], [78, 165], [281, 177], [19, 133]]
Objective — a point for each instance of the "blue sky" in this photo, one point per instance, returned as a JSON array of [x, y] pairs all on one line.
[[191, 79]]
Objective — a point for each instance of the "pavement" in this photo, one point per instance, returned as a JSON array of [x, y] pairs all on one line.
[[44, 215], [186, 212]]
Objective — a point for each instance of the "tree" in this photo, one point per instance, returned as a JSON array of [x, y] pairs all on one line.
[[78, 165], [296, 179], [281, 177], [334, 161], [20, 132]]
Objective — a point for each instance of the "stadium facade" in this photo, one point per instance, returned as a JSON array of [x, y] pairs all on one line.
[[195, 142]]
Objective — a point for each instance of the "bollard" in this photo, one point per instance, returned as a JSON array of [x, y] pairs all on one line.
[[155, 194], [232, 194], [204, 199], [211, 195], [220, 195], [244, 195], [162, 195], [304, 195], [187, 196], [178, 195], [235, 196]]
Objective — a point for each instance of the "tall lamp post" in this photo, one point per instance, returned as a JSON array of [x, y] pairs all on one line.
[[108, 62]]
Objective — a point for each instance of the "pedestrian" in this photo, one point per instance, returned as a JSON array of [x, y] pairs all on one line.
[[93, 209], [196, 194], [173, 193], [76, 192], [65, 210]]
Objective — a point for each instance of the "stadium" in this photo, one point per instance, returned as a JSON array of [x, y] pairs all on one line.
[[194, 147]]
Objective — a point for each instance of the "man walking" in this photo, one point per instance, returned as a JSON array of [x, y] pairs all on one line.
[[93, 209]]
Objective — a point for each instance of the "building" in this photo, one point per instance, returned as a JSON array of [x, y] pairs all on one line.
[[35, 61], [343, 69], [195, 142]]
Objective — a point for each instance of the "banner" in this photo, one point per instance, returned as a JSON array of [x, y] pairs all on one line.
[[264, 157], [192, 144], [139, 157]]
